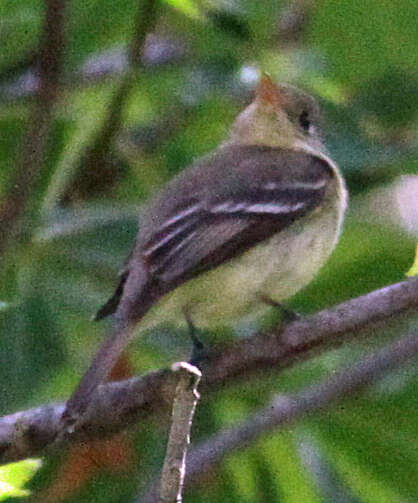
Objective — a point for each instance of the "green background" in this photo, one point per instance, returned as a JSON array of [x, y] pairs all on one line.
[[360, 59]]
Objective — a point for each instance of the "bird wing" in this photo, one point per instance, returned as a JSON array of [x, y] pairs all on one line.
[[205, 233], [250, 202]]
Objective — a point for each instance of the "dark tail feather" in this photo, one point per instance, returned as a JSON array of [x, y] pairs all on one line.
[[138, 297]]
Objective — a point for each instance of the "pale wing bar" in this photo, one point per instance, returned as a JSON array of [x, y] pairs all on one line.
[[166, 251]]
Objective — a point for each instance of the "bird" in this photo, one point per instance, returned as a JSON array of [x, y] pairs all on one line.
[[256, 218]]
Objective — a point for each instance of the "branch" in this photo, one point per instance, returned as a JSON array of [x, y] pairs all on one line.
[[184, 405], [286, 409], [96, 169], [24, 177], [117, 405]]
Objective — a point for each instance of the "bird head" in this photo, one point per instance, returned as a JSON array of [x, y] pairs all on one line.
[[279, 116]]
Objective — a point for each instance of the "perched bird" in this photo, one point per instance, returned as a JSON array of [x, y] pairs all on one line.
[[255, 219]]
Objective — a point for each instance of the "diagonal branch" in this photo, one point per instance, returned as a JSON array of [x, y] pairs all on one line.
[[30, 432], [29, 166], [287, 409], [96, 169]]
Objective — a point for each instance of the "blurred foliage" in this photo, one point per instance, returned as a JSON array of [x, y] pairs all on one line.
[[360, 58], [14, 475]]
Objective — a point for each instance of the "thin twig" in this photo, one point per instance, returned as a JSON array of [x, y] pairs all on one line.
[[96, 165], [117, 405], [29, 166], [287, 409], [184, 405]]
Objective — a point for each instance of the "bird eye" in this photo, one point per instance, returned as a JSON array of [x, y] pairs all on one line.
[[304, 121]]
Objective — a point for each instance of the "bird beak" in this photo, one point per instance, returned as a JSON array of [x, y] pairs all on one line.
[[268, 93]]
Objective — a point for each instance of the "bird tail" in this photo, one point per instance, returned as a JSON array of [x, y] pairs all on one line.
[[134, 296], [102, 364]]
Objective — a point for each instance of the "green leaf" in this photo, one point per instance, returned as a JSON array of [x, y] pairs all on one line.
[[372, 442], [280, 451], [413, 271], [187, 7], [14, 476]]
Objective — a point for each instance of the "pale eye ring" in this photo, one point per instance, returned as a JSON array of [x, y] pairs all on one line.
[[304, 121]]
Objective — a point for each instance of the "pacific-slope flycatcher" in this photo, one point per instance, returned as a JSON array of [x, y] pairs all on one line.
[[256, 218]]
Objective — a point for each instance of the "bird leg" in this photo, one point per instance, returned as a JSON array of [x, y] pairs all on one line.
[[288, 315], [199, 351]]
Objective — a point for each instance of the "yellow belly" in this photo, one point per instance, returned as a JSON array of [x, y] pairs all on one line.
[[278, 267]]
